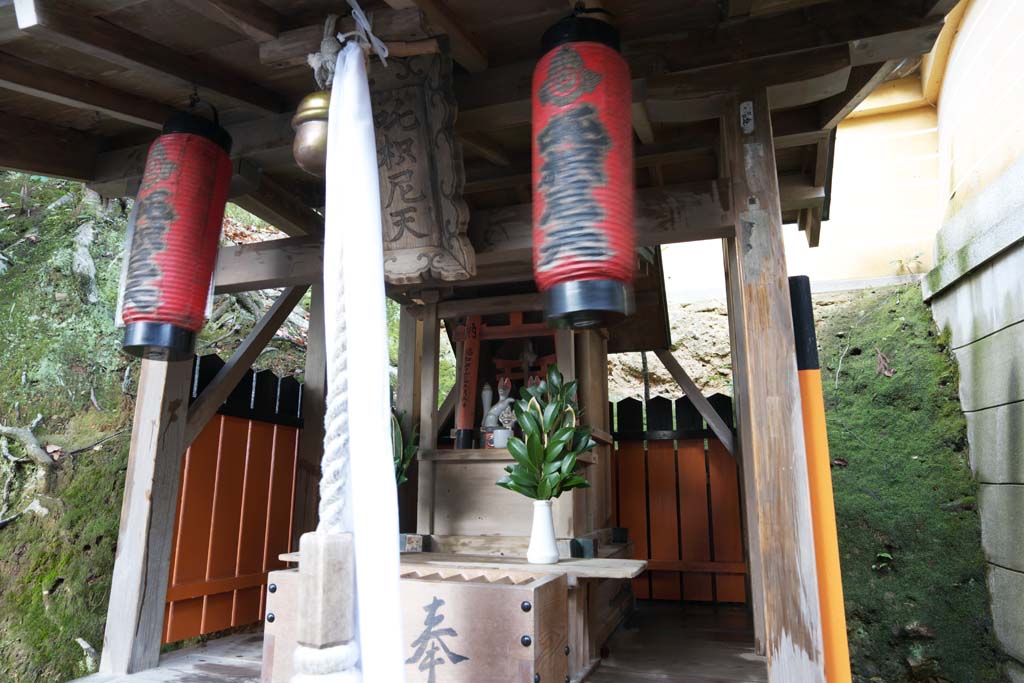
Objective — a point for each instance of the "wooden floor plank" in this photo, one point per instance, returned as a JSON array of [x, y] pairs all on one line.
[[678, 643]]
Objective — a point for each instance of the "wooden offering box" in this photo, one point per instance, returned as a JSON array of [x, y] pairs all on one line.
[[479, 626]]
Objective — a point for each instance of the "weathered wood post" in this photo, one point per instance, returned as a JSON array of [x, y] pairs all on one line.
[[769, 408], [135, 613]]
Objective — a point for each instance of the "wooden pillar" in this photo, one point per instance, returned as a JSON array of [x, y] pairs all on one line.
[[135, 614], [314, 405], [755, 568], [567, 510], [769, 409], [428, 413], [405, 405]]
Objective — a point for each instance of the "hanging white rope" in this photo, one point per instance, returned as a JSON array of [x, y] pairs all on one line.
[[358, 495]]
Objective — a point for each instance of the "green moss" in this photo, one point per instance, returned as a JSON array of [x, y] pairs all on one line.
[[57, 353], [904, 438]]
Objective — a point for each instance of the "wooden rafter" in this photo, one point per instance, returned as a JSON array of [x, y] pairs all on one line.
[[60, 88], [228, 377], [290, 47], [272, 201], [36, 147], [249, 18], [122, 167], [54, 23], [465, 49], [863, 80], [685, 212]]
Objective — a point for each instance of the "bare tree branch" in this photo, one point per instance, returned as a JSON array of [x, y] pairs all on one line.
[[29, 442]]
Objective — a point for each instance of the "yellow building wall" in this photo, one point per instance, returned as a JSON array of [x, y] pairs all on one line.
[[981, 130], [884, 201], [885, 210]]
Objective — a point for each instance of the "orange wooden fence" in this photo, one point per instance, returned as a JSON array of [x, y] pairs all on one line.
[[234, 506], [678, 494]]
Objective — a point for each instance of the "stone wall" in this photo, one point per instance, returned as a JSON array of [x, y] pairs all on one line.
[[977, 285]]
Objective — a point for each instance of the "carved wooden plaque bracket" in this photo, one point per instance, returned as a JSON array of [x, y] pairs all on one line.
[[421, 172]]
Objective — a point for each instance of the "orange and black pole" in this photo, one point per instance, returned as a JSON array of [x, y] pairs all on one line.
[[826, 541]]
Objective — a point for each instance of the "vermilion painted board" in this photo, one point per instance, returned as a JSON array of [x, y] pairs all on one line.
[[728, 532], [695, 530], [664, 516]]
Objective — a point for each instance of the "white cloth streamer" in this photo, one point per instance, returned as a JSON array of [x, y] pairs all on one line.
[[358, 371]]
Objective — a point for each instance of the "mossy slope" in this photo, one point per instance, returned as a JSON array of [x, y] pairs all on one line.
[[909, 535]]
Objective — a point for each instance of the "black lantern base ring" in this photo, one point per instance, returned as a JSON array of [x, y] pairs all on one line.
[[588, 303], [159, 341]]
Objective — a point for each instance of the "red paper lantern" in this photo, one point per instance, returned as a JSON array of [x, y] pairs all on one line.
[[583, 234], [178, 216]]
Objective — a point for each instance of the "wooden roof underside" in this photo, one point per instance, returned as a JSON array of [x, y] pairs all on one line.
[[85, 85]]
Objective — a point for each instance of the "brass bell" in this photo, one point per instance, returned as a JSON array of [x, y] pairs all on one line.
[[310, 125]]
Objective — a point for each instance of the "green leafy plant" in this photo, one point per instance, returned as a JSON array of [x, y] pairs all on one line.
[[402, 452], [546, 457]]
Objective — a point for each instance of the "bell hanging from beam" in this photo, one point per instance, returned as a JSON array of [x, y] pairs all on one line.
[[178, 215], [583, 194]]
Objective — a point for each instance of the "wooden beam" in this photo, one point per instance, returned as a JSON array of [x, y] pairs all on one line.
[[810, 224], [268, 265], [894, 28], [429, 351], [249, 18], [485, 147], [314, 406], [501, 99], [58, 87], [35, 147], [738, 8], [687, 212], [459, 308], [863, 81], [290, 48], [271, 201], [228, 377], [135, 612], [120, 168], [770, 412], [50, 21], [797, 191], [440, 20], [710, 415], [696, 144]]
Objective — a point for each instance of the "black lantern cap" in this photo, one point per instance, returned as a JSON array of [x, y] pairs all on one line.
[[186, 122], [582, 304], [577, 28], [159, 341]]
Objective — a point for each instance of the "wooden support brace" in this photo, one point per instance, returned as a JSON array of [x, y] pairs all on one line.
[[135, 613], [206, 405], [710, 415]]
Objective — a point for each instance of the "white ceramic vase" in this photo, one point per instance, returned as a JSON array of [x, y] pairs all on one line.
[[543, 549]]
